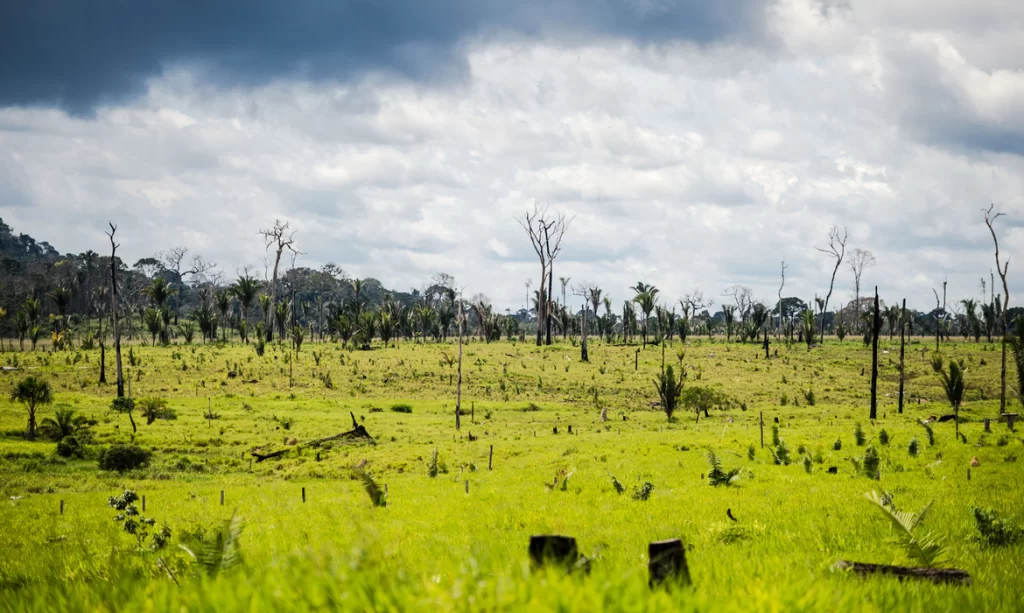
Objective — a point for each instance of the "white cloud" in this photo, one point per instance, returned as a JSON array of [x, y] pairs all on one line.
[[687, 167]]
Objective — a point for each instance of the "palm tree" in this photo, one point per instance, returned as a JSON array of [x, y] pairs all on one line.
[[264, 302], [223, 301], [807, 320], [61, 299], [22, 326], [65, 423], [159, 291], [972, 318], [281, 317], [387, 326], [953, 383], [343, 327], [32, 308], [669, 390], [245, 290], [357, 288], [32, 392], [154, 322], [729, 313], [367, 328], [645, 297]]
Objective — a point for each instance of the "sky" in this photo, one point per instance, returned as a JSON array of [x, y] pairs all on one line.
[[695, 145]]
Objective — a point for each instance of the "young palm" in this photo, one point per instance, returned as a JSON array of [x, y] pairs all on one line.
[[646, 296], [32, 392], [669, 390], [64, 423], [223, 302], [159, 291], [953, 383], [245, 290], [154, 322]]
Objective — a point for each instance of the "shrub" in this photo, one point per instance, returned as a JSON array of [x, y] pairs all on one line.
[[858, 435], [883, 437], [121, 457], [401, 408], [912, 448], [122, 405], [871, 462], [643, 492], [995, 530], [70, 447], [838, 445]]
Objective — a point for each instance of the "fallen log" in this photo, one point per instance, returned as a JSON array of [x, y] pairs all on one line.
[[935, 575], [358, 432]]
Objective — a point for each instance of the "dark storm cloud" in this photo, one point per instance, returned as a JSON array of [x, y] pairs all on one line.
[[77, 54]]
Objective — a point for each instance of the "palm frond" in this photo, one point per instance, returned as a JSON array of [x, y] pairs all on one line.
[[222, 553], [377, 495], [926, 549]]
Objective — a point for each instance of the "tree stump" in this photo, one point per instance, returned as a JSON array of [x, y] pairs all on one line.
[[554, 549], [667, 563], [988, 425], [935, 575]]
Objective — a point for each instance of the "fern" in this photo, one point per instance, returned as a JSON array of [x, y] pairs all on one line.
[[378, 496], [619, 488], [931, 433], [927, 549], [718, 476], [220, 554]]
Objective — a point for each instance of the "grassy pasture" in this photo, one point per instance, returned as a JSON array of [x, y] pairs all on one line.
[[435, 547]]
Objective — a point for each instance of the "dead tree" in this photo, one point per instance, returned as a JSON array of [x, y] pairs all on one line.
[[903, 326], [460, 319], [781, 285], [172, 259], [113, 310], [860, 259], [837, 249], [1002, 269], [280, 239], [876, 327], [546, 235]]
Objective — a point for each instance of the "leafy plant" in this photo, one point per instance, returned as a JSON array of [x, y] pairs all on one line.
[[669, 390], [718, 476], [121, 457], [32, 392], [70, 447], [221, 553], [929, 431], [65, 423], [838, 445], [135, 524], [619, 488], [858, 435], [871, 462], [883, 437], [643, 492], [401, 408], [809, 397], [780, 453], [995, 530], [925, 550], [912, 448], [156, 408]]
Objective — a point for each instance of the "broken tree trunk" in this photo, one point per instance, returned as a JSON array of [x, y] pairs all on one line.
[[935, 575], [358, 432]]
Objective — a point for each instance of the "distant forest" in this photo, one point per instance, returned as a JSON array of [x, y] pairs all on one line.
[[176, 294]]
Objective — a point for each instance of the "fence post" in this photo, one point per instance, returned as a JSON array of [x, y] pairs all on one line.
[[490, 459]]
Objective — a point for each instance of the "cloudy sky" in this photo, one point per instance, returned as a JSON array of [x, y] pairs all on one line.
[[696, 144]]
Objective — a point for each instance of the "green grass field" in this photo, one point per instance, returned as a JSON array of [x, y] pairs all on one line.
[[437, 547]]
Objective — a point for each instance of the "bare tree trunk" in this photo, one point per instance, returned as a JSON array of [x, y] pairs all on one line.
[[1002, 269], [903, 315], [551, 281], [583, 342], [113, 312], [458, 385], [875, 325]]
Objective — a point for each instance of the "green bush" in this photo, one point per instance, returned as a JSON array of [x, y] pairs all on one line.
[[70, 447], [995, 530], [122, 405], [121, 457], [401, 408]]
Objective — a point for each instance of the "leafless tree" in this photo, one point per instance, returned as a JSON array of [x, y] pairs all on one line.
[[743, 297], [279, 238], [860, 260], [1002, 269], [172, 260], [546, 231], [113, 310], [836, 249], [460, 319], [591, 294], [781, 285]]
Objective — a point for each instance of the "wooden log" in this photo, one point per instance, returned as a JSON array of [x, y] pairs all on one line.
[[358, 433], [935, 575], [666, 562], [490, 459]]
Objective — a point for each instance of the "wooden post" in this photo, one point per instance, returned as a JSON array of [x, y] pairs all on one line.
[[903, 325], [875, 325], [222, 498], [303, 494], [490, 459], [570, 429], [988, 425], [472, 412], [666, 560], [209, 413], [61, 507], [968, 474], [762, 429], [143, 504], [766, 356], [250, 464], [467, 486], [636, 363]]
